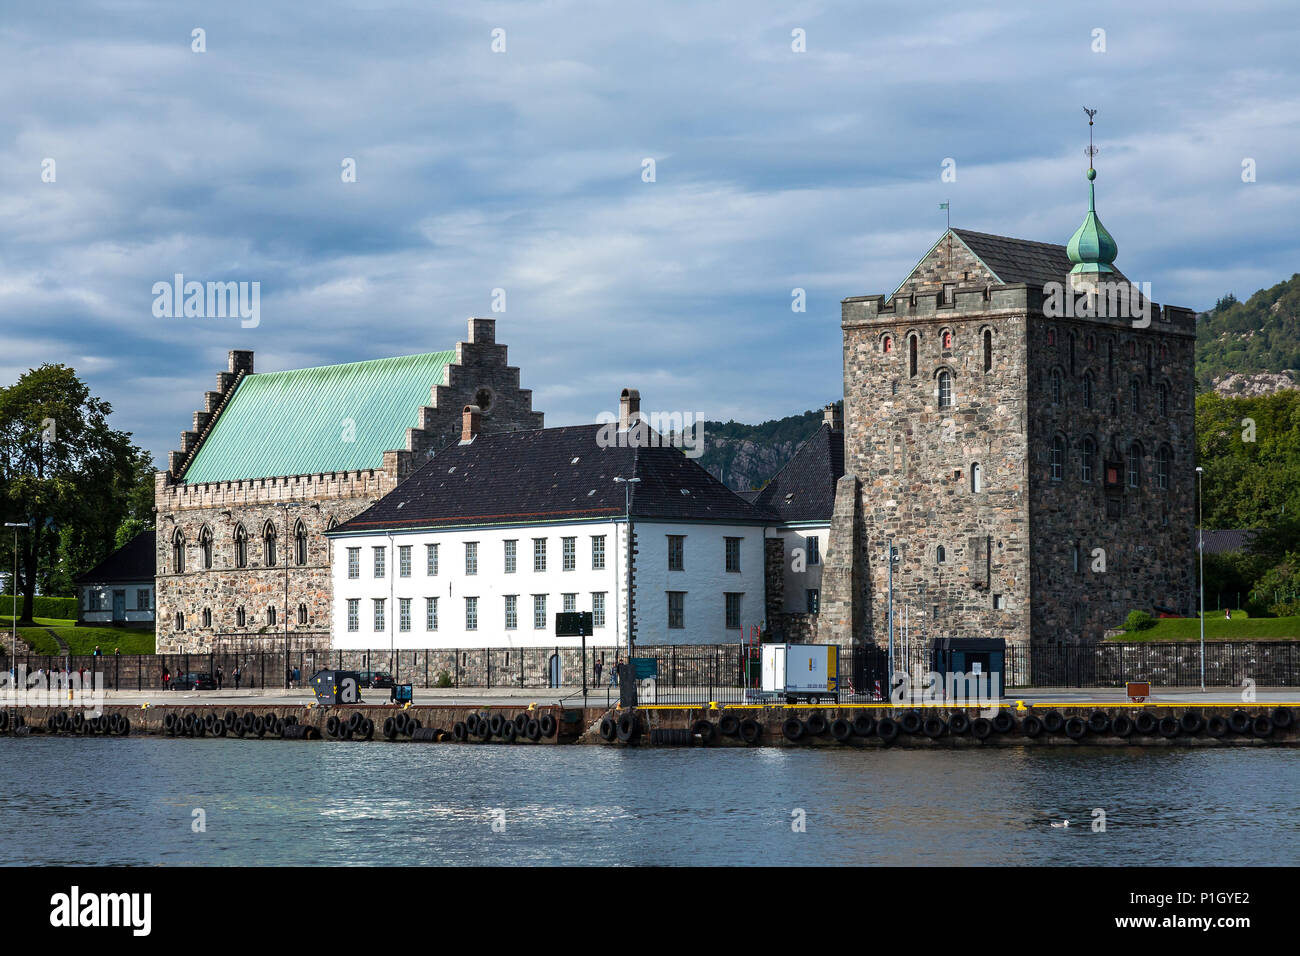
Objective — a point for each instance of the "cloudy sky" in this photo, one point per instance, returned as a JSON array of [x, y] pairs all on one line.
[[523, 170]]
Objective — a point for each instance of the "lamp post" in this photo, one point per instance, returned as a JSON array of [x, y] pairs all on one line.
[[1200, 547], [13, 660], [627, 484], [287, 670], [889, 556]]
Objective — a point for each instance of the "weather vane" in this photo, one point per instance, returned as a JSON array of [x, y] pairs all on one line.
[[1092, 150]]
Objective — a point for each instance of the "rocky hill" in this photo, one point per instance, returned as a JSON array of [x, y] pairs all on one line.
[[747, 456]]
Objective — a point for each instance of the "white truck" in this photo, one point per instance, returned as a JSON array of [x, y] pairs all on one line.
[[807, 672]]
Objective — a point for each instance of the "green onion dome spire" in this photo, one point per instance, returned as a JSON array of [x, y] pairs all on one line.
[[1091, 248]]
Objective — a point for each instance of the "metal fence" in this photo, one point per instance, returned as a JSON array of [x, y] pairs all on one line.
[[693, 674]]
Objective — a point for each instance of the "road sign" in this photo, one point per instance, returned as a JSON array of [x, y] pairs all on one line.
[[573, 624]]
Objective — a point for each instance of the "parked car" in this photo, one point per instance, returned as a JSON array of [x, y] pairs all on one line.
[[376, 679], [201, 681]]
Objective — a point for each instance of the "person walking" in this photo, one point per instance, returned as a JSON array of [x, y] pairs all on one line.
[[221, 677], [237, 674], [597, 668], [98, 652], [166, 679]]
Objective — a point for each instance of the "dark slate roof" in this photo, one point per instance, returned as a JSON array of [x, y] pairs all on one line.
[[804, 490], [134, 561], [1226, 541], [551, 474], [1019, 260]]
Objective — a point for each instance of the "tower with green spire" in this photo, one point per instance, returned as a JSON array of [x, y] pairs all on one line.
[[1092, 249]]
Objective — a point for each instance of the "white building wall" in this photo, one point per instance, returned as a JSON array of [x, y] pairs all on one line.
[[797, 583], [451, 585], [705, 581], [132, 615], [704, 578]]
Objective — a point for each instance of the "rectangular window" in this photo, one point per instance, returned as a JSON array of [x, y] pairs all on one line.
[[539, 611], [379, 614], [813, 547], [512, 612], [814, 601], [95, 600], [404, 561], [597, 552], [354, 562], [142, 599], [539, 554], [598, 609], [570, 602], [677, 552], [568, 553], [998, 603], [733, 611], [733, 554], [403, 614], [380, 557], [354, 614], [431, 559], [676, 609], [471, 614], [471, 557], [512, 547], [431, 614]]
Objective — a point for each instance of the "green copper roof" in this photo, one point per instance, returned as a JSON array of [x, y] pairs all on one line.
[[1091, 248], [300, 422]]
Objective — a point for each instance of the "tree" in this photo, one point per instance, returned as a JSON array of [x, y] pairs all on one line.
[[65, 473]]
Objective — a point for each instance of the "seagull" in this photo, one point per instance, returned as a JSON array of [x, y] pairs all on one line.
[[1061, 826]]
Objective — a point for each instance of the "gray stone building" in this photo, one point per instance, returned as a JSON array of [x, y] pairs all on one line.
[[1022, 432], [276, 459]]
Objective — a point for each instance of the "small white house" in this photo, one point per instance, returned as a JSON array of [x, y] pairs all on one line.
[[120, 589], [494, 536]]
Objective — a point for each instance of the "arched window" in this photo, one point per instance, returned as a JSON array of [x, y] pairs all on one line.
[[947, 339], [988, 350], [332, 523], [207, 617], [205, 547], [1110, 359], [911, 355], [270, 615], [1090, 343], [180, 621], [1087, 459], [240, 617], [178, 552], [1134, 464], [1075, 557], [940, 555], [1071, 352], [1162, 398], [1134, 395], [300, 543], [241, 547], [1087, 389], [1051, 336], [887, 344], [1162, 467], [1058, 457], [976, 477], [1132, 349], [302, 614], [945, 389], [1164, 351], [268, 545], [1055, 384]]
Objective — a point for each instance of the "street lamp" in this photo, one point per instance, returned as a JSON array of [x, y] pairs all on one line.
[[627, 484], [891, 556], [285, 555], [1200, 547], [13, 661]]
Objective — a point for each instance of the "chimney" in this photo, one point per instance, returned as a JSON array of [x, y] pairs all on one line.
[[629, 409], [470, 424], [482, 331], [833, 415], [241, 360]]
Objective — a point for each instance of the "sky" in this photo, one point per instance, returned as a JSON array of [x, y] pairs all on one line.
[[504, 146]]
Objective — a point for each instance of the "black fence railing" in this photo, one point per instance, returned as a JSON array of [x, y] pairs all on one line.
[[691, 674]]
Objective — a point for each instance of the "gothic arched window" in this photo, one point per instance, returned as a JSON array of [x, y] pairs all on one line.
[[945, 389], [947, 339], [207, 617], [940, 555], [302, 613], [268, 545], [300, 543], [1162, 398], [988, 350], [241, 547], [976, 477], [270, 615], [1055, 381], [205, 547], [240, 617], [1134, 464], [1087, 459], [911, 355], [1087, 389], [1058, 457], [178, 552], [1162, 467]]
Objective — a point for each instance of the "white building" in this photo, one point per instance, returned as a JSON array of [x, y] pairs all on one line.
[[120, 589], [494, 536]]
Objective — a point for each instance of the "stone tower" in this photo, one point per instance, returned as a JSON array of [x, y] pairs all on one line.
[[1019, 423]]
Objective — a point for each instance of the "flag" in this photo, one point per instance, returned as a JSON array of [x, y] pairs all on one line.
[[943, 205]]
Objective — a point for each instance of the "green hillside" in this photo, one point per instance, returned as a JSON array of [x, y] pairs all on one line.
[[1261, 334]]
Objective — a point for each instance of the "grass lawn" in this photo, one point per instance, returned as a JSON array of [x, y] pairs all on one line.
[[82, 640], [1217, 628]]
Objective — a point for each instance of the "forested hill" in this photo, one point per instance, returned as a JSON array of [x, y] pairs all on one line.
[[747, 456], [1260, 335]]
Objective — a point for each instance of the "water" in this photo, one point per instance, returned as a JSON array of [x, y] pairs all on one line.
[[105, 801]]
